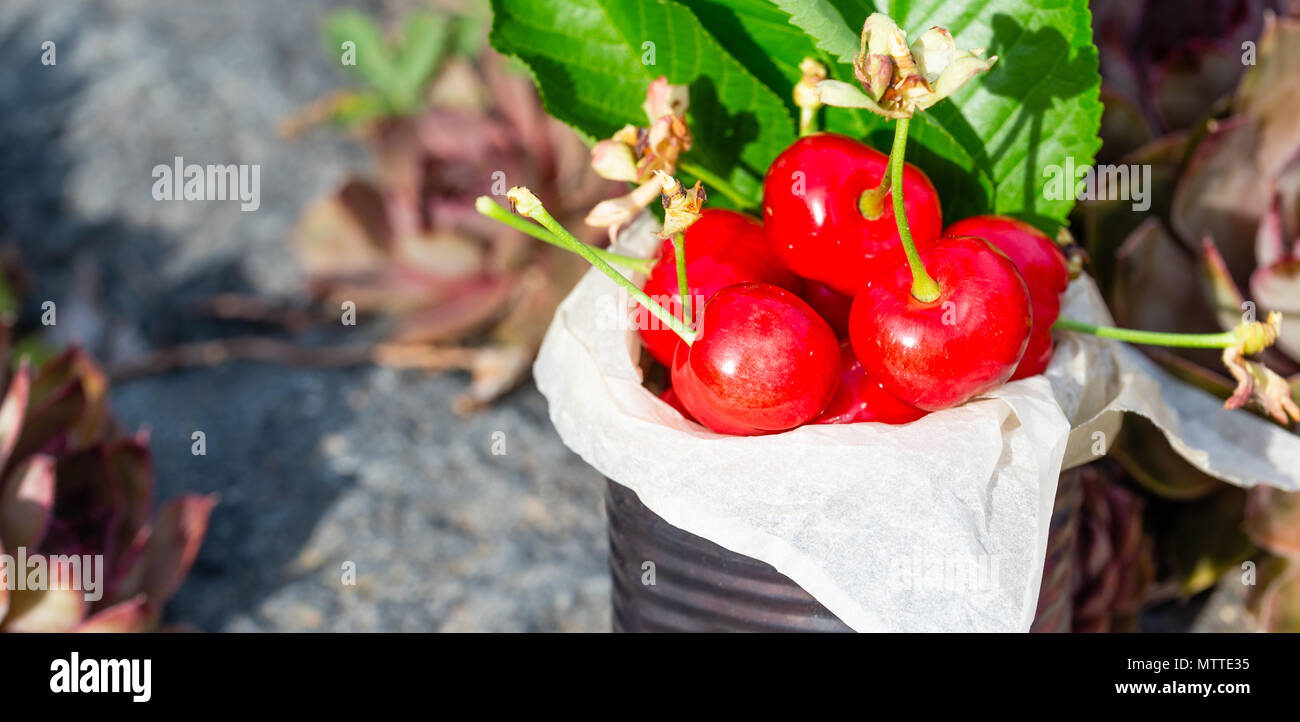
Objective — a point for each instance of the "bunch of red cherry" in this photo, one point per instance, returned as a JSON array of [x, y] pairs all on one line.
[[849, 302], [842, 307], [813, 316]]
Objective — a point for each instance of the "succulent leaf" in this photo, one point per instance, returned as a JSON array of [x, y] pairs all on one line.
[[1185, 85], [1108, 223], [49, 610], [51, 419], [476, 302], [1153, 288], [94, 382], [130, 466], [1270, 245], [345, 233], [1123, 125], [1207, 540], [72, 485], [89, 506], [1277, 288], [1170, 63], [133, 615], [1268, 91], [1273, 520], [407, 241], [1147, 456], [4, 587], [1231, 222], [1211, 382], [172, 545], [27, 502], [1276, 600], [374, 57], [1225, 298], [12, 411], [1114, 564], [1219, 195]]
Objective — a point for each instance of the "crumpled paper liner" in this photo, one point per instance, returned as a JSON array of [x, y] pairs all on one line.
[[937, 525]]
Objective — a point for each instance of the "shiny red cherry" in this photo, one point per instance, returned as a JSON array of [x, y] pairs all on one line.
[[722, 248], [1046, 274], [670, 397], [812, 217], [964, 343], [762, 361], [862, 398], [1038, 352], [829, 304]]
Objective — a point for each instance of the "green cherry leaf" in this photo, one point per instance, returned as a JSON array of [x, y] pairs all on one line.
[[593, 59]]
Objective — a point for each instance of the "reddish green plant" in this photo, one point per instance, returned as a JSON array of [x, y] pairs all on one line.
[[1113, 561], [73, 486], [1220, 242]]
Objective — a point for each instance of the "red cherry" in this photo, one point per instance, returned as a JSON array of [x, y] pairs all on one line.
[[722, 248], [1045, 271], [1038, 352], [762, 361], [862, 398], [670, 397], [829, 304], [811, 214], [1034, 254], [966, 342]]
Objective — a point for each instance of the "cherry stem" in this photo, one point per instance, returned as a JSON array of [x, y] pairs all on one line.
[[872, 201], [807, 116], [679, 245], [528, 204], [1152, 338], [924, 288], [493, 210], [713, 180]]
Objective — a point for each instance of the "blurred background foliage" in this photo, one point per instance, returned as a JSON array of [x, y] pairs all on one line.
[[1205, 100]]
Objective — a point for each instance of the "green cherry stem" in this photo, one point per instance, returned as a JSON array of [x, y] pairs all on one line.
[[528, 205], [872, 201], [714, 180], [679, 245], [493, 210], [1153, 338], [807, 117], [805, 94], [924, 288]]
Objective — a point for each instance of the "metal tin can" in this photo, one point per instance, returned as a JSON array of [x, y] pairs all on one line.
[[702, 587]]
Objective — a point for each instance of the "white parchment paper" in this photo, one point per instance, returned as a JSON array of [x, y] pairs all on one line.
[[936, 525]]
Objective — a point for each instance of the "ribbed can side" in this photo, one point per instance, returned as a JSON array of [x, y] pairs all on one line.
[[1056, 594], [699, 586]]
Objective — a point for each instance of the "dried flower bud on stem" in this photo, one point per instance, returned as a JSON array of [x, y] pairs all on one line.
[[524, 202], [1254, 380], [681, 209], [898, 80], [682, 206]]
